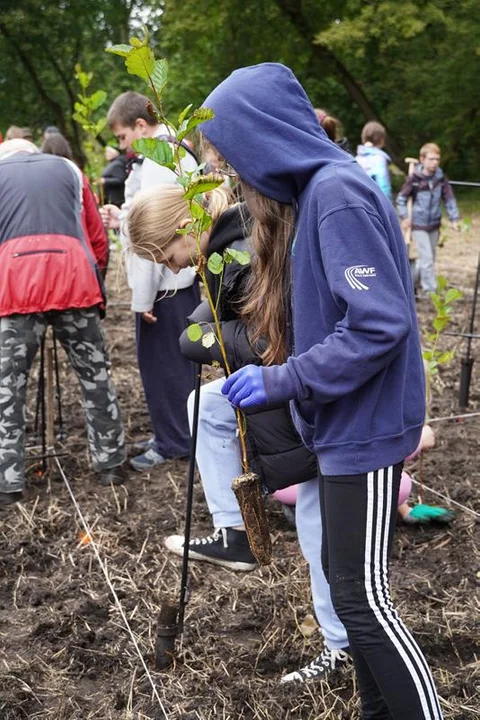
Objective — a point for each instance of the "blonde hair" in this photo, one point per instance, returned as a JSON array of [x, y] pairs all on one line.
[[157, 213], [268, 286], [429, 148]]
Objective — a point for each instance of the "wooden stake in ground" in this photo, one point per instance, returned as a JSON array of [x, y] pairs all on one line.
[[407, 234], [50, 398]]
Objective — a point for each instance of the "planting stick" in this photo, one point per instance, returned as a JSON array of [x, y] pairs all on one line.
[[42, 404], [50, 433], [170, 618], [467, 361], [411, 162], [188, 513]]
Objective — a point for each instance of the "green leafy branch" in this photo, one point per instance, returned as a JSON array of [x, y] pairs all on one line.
[[442, 300], [140, 61], [86, 115]]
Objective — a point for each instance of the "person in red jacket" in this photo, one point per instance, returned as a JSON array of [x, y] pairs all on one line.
[[49, 276], [57, 144]]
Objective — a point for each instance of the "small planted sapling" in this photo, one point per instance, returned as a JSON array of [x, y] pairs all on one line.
[[87, 115], [140, 61], [168, 151], [434, 357]]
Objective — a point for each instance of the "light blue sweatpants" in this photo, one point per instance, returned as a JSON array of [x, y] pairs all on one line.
[[218, 460]]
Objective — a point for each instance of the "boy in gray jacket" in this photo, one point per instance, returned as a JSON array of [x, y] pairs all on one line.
[[427, 186]]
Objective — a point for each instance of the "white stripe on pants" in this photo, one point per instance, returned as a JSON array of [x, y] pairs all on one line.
[[378, 593]]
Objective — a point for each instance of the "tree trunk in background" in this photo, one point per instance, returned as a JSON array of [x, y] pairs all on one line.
[[291, 9]]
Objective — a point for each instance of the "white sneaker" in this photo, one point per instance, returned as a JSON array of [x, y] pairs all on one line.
[[321, 667]]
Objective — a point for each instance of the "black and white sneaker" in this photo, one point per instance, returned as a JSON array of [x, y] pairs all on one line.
[[321, 667], [226, 547]]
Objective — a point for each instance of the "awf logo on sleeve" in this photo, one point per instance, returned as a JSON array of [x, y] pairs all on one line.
[[357, 273]]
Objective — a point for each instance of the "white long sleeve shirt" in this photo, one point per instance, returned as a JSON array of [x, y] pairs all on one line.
[[145, 278]]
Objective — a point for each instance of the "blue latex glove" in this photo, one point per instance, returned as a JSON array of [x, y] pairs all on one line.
[[245, 387]]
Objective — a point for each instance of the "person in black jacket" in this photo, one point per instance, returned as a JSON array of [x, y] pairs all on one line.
[[114, 176], [275, 450]]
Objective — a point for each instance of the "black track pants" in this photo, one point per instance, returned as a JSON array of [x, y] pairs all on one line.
[[358, 517]]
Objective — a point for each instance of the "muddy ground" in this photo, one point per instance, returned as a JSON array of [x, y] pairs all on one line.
[[64, 650]]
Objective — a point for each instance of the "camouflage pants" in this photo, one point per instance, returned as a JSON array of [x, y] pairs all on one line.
[[81, 335]]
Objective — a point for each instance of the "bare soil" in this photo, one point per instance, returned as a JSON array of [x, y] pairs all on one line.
[[65, 652]]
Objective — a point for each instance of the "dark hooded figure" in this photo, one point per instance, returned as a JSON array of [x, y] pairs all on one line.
[[331, 293]]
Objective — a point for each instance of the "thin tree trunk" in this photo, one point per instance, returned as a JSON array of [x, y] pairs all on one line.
[[52, 104], [291, 9]]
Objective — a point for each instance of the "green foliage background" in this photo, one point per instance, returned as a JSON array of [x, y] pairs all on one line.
[[412, 65]]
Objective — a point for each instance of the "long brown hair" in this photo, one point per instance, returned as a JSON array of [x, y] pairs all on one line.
[[267, 290]]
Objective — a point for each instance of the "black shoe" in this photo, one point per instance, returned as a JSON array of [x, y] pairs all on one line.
[[321, 667], [226, 547], [10, 498], [113, 476]]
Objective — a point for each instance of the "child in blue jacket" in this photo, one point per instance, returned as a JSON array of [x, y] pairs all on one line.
[[330, 291], [373, 158]]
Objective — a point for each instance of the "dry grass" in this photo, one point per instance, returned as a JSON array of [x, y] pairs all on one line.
[[64, 650]]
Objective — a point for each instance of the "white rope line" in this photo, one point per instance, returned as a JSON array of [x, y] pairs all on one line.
[[445, 497], [453, 417], [112, 589]]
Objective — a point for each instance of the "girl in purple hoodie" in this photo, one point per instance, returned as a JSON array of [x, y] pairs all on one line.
[[331, 292]]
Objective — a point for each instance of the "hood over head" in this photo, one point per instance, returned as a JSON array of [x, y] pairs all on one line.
[[267, 130]]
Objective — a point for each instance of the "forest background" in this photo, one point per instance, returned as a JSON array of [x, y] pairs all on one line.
[[414, 66]]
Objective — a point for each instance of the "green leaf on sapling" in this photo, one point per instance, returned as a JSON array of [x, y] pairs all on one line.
[[136, 42], [441, 283], [198, 116], [201, 185], [215, 263], [427, 355], [186, 230], [439, 323], [183, 114], [445, 357], [194, 332], [99, 126], [122, 50], [196, 210], [452, 295], [141, 62], [97, 99], [157, 150], [242, 257], [208, 340], [160, 75], [205, 223], [83, 79]]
